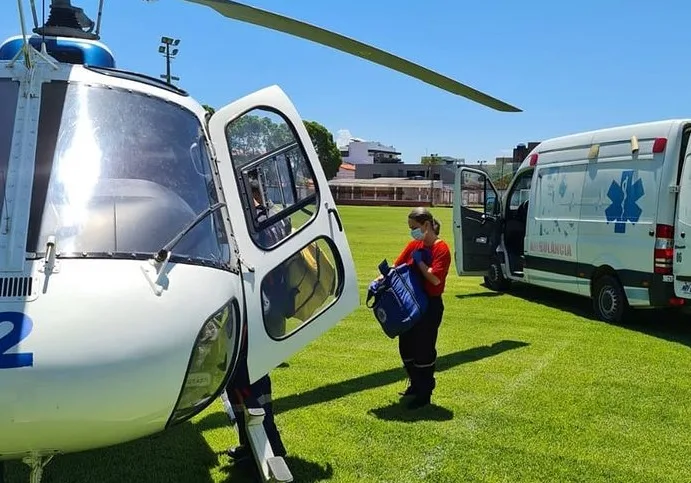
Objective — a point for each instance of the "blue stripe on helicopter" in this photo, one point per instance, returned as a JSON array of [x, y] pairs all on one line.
[[22, 325], [73, 51]]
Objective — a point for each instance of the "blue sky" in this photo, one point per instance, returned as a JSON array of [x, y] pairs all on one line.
[[571, 66]]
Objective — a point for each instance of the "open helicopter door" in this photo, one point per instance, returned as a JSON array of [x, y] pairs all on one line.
[[476, 209], [298, 272]]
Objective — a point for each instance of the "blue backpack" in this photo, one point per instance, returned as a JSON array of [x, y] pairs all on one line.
[[399, 298]]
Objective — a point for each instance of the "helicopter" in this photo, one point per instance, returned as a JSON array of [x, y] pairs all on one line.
[[133, 266]]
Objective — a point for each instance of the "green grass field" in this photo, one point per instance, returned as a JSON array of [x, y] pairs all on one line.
[[529, 388]]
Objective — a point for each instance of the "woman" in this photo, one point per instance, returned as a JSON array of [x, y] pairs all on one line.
[[417, 347]]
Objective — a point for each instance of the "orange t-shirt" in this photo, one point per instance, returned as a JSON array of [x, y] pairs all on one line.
[[441, 260]]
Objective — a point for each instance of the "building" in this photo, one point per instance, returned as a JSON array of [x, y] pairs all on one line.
[[369, 152], [447, 160], [445, 173], [391, 191], [346, 171], [520, 152]]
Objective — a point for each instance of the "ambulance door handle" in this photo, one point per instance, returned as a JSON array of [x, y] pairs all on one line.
[[683, 234]]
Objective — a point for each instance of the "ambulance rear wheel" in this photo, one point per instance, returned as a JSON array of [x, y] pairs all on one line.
[[494, 280], [609, 299]]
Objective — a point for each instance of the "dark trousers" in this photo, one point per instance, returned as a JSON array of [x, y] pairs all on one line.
[[418, 350], [259, 395]]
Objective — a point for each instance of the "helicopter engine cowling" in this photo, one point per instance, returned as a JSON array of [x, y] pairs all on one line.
[[108, 369]]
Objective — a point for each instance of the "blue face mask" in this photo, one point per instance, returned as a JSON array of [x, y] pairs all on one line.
[[417, 234]]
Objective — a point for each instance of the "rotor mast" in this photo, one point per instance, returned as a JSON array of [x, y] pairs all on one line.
[[66, 20]]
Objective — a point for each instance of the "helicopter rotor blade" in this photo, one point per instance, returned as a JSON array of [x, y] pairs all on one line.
[[263, 18]]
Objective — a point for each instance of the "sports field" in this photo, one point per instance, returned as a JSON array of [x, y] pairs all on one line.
[[529, 388]]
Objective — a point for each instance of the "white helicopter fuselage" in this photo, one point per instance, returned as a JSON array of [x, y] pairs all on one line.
[[134, 282], [92, 351]]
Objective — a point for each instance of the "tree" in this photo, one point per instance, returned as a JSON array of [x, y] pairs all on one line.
[[324, 144], [210, 110], [432, 159], [252, 135]]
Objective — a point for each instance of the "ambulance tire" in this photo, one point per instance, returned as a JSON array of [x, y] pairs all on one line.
[[494, 280], [609, 299]]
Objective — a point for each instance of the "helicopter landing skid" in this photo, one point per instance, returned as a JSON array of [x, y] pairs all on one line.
[[37, 464], [272, 469]]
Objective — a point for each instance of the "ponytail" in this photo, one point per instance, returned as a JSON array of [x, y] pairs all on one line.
[[436, 225]]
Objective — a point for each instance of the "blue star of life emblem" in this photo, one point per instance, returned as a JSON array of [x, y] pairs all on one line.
[[624, 196]]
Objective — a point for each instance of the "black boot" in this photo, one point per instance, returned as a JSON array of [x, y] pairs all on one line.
[[425, 386], [410, 390]]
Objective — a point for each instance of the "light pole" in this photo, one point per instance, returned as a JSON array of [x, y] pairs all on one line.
[[431, 178], [164, 49]]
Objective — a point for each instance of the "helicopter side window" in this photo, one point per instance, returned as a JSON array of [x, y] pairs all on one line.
[[9, 93], [276, 181], [300, 288], [118, 172]]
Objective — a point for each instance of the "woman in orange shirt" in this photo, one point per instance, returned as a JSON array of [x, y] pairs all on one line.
[[417, 347]]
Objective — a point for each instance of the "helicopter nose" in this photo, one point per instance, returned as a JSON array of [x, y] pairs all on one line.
[[92, 365]]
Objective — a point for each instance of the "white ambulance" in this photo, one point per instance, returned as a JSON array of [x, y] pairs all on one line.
[[603, 214]]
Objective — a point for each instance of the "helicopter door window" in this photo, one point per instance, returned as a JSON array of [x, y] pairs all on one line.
[[276, 180], [120, 173], [300, 288], [9, 93]]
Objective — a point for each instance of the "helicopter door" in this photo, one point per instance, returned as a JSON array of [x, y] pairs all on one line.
[[298, 272]]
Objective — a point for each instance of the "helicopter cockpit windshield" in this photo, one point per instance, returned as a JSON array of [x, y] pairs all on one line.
[[121, 173]]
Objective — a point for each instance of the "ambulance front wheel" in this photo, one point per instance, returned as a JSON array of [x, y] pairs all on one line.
[[494, 280], [609, 299]]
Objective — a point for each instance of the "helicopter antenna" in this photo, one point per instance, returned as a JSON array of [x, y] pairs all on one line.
[[33, 12], [26, 48], [98, 18]]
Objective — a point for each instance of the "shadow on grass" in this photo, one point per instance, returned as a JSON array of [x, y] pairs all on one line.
[[478, 295], [338, 390], [399, 412], [178, 454], [302, 471], [669, 324]]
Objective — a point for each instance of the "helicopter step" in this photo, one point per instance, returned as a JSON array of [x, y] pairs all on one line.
[[273, 469], [37, 464]]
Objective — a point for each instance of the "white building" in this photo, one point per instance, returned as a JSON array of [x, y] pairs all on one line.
[[359, 151]]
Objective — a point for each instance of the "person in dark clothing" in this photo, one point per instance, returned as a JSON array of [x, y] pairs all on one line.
[[240, 392], [417, 347]]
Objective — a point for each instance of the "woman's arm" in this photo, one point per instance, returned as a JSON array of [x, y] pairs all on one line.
[[400, 258], [428, 273], [441, 259]]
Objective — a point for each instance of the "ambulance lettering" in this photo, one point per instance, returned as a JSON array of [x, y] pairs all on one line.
[[552, 248]]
